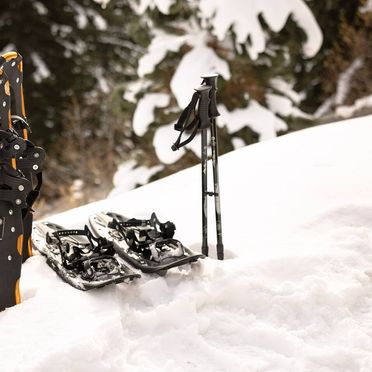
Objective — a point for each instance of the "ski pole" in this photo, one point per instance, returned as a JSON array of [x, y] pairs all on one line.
[[211, 80], [203, 114]]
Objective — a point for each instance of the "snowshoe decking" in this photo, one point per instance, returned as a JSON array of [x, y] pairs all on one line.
[[80, 259], [147, 245], [30, 162]]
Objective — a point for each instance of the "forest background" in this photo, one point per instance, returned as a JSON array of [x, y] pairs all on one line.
[[105, 81]]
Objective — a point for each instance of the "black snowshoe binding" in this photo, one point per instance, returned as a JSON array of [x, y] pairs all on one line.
[[80, 259], [148, 245], [31, 160]]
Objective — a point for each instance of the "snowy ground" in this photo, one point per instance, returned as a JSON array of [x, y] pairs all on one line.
[[295, 293]]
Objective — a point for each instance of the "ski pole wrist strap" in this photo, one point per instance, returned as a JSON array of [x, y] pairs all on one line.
[[184, 123]]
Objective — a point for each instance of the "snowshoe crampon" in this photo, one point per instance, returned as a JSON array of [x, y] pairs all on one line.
[[147, 245], [79, 258]]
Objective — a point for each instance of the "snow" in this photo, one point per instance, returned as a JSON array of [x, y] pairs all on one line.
[[342, 90], [40, 8], [42, 71], [254, 116], [286, 89], [367, 7], [128, 176], [360, 103], [160, 44], [242, 17], [200, 60], [293, 294], [162, 5], [284, 106], [165, 136], [133, 88], [144, 114], [343, 84]]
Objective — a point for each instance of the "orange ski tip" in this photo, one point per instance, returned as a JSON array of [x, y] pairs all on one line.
[[20, 244], [17, 293]]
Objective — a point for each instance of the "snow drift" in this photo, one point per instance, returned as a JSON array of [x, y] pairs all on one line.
[[295, 292]]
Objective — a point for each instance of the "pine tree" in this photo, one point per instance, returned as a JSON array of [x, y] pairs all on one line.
[[72, 49], [256, 55]]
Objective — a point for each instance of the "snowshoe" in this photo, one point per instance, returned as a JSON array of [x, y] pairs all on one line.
[[13, 192], [80, 259], [14, 188], [147, 245], [32, 159]]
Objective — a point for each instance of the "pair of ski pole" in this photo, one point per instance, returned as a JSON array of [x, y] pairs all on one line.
[[200, 116]]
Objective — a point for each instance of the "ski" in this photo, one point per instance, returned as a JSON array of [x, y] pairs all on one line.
[[79, 258], [147, 245]]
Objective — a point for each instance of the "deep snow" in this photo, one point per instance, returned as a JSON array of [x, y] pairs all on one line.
[[294, 294]]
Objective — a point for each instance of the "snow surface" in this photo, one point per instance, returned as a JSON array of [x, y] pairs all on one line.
[[294, 294]]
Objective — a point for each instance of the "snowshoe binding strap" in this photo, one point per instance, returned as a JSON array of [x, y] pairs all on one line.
[[14, 188], [73, 251], [11, 145], [148, 237], [200, 116], [152, 227]]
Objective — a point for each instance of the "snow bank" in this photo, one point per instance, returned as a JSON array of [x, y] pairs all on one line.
[[295, 292]]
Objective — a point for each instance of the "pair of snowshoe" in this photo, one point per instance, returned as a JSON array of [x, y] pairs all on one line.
[[87, 258], [20, 179]]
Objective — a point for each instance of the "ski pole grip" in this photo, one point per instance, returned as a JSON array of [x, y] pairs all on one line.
[[211, 80], [203, 108]]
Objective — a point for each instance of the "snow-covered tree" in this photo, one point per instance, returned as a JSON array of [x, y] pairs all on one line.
[[255, 47], [72, 49]]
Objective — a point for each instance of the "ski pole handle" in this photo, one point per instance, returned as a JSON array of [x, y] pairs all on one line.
[[203, 108], [211, 80]]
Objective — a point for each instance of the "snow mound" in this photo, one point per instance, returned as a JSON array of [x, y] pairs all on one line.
[[295, 292]]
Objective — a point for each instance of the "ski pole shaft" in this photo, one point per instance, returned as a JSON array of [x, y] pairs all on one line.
[[216, 185], [204, 163], [211, 80]]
